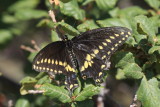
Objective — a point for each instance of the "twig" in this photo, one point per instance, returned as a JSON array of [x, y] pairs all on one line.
[[35, 91], [51, 14], [27, 48], [10, 103], [101, 96], [134, 102], [54, 1], [35, 45]]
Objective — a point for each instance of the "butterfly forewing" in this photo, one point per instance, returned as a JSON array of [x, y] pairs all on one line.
[[55, 59]]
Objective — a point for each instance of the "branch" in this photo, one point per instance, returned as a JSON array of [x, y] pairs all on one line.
[[35, 91], [29, 49], [51, 14], [134, 103]]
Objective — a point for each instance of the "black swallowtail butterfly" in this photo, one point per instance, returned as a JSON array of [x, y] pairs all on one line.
[[89, 53]]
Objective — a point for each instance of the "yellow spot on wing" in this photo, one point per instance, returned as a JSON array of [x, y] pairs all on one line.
[[116, 45], [112, 37], [60, 72], [105, 44], [116, 35], [55, 71], [56, 62], [103, 56], [88, 57], [41, 60], [129, 33], [34, 66], [127, 36], [40, 68], [96, 51], [69, 68], [82, 68], [86, 64], [37, 67], [102, 66], [52, 61], [47, 68], [44, 68], [109, 52], [108, 40], [51, 70], [120, 41], [97, 80], [38, 62], [93, 55], [100, 47], [122, 33], [71, 86], [89, 63], [112, 49], [60, 63], [64, 64], [100, 74], [123, 38], [45, 60], [49, 61]]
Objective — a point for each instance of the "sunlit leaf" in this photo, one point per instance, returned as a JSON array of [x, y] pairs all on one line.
[[56, 93], [106, 4], [72, 9], [22, 103], [149, 92]]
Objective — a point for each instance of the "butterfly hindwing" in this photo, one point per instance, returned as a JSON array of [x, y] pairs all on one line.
[[99, 44], [55, 59]]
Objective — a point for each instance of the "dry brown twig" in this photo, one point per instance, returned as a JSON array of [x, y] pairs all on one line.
[[29, 49], [54, 1], [134, 102]]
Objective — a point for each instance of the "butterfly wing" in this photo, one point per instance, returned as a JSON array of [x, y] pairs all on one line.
[[55, 59], [94, 48]]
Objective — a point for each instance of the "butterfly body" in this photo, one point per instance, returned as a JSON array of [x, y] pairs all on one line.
[[89, 53]]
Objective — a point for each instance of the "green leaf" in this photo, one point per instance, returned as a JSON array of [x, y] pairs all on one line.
[[114, 22], [87, 92], [72, 9], [154, 3], [28, 80], [6, 18], [146, 26], [23, 4], [43, 80], [106, 4], [27, 84], [54, 36], [120, 59], [87, 2], [120, 74], [153, 49], [127, 12], [87, 25], [4, 35], [132, 70], [56, 93], [22, 103], [26, 14], [149, 93]]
